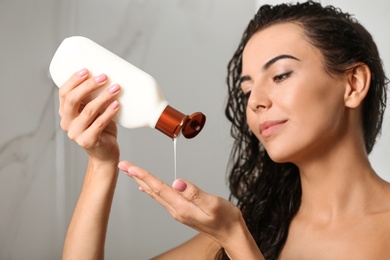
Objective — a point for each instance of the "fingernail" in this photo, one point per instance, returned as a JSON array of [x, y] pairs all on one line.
[[114, 89], [82, 73], [179, 185], [141, 189], [114, 105], [101, 78], [122, 168]]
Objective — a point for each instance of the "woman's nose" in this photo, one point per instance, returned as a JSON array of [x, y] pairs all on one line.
[[259, 99]]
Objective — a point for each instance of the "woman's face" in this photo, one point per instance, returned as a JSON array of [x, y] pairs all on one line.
[[295, 108]]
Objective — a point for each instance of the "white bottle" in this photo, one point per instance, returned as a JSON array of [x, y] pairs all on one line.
[[142, 103]]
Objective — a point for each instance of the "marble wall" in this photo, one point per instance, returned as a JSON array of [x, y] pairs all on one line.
[[28, 215], [185, 45]]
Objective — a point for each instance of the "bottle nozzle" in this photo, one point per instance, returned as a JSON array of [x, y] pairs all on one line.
[[172, 122]]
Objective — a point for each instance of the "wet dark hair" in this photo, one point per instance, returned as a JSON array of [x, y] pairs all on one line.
[[269, 193]]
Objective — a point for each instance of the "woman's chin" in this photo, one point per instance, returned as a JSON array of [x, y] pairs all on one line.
[[279, 157]]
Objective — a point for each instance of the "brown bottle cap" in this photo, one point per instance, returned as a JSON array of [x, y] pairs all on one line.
[[172, 122]]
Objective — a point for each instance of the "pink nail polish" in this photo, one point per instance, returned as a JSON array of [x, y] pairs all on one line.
[[114, 105], [179, 185], [101, 78], [114, 89], [82, 73], [122, 168]]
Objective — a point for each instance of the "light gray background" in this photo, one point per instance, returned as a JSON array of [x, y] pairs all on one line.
[[185, 45]]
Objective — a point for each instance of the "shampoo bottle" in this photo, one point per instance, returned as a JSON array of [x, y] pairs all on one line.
[[142, 103]]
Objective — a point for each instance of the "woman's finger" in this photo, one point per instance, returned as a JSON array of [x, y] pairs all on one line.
[[75, 80], [153, 186], [184, 207], [91, 135], [124, 166], [72, 100], [77, 95], [92, 119], [208, 203], [191, 192], [145, 188]]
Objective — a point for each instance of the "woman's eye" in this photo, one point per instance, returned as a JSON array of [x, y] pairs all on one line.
[[245, 97], [282, 77]]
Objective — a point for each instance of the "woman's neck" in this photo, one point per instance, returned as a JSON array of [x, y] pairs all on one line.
[[339, 183]]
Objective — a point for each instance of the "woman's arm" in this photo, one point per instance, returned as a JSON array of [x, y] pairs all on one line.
[[89, 123], [87, 230], [198, 247]]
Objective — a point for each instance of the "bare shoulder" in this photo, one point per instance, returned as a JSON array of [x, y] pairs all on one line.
[[385, 199], [381, 206], [380, 226]]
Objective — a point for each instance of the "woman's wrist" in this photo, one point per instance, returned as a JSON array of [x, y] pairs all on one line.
[[97, 164], [101, 172]]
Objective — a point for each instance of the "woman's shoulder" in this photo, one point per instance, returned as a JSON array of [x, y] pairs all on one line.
[[380, 216], [381, 201]]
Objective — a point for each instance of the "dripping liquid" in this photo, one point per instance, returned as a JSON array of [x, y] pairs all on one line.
[[174, 157]]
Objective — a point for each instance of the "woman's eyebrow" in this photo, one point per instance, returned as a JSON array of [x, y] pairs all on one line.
[[269, 64], [275, 59], [244, 78]]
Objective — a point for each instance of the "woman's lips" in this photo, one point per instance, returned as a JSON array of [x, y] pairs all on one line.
[[269, 128]]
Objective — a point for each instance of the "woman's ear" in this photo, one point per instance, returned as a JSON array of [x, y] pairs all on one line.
[[358, 84]]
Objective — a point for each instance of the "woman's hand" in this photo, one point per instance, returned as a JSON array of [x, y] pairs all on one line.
[[89, 122], [208, 214]]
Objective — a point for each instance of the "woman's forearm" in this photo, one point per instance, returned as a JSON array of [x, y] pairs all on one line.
[[87, 230], [241, 245]]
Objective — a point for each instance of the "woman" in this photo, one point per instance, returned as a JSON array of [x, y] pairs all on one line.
[[307, 94]]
